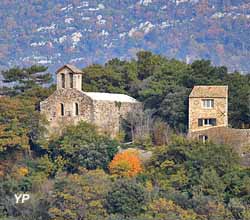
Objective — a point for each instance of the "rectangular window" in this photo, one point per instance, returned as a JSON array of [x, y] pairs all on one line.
[[203, 138], [71, 80], [76, 109], [63, 80], [213, 121], [207, 103], [200, 122], [206, 122], [62, 109]]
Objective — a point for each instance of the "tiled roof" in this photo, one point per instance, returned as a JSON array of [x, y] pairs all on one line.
[[99, 96], [71, 67], [209, 92]]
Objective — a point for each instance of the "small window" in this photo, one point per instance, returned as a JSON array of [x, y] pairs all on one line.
[[200, 122], [213, 121], [63, 80], [71, 80], [208, 103], [203, 138], [62, 109], [76, 109], [207, 122]]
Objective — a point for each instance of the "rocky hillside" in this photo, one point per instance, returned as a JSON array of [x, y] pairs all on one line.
[[85, 32]]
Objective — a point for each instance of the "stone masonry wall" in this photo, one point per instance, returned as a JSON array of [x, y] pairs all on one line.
[[77, 79], [51, 107], [196, 111], [237, 138], [108, 114]]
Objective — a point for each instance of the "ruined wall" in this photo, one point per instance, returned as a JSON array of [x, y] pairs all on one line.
[[51, 107], [196, 111], [237, 138]]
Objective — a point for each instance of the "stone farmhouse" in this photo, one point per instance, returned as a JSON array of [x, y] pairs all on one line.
[[208, 119], [69, 104]]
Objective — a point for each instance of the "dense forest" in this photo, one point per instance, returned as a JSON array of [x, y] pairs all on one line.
[[82, 174]]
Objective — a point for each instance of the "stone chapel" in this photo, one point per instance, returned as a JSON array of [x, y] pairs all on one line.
[[69, 104]]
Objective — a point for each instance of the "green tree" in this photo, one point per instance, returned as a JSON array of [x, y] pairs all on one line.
[[210, 184], [174, 108], [20, 124], [97, 78], [126, 198], [239, 99], [167, 209], [81, 145], [77, 197], [21, 80], [182, 163]]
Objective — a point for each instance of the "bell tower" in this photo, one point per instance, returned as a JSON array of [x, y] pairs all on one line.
[[69, 77]]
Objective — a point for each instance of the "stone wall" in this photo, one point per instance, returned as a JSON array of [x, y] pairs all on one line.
[[51, 107], [237, 138], [196, 111], [77, 79], [108, 115]]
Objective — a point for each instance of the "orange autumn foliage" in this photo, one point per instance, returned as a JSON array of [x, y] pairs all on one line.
[[126, 164]]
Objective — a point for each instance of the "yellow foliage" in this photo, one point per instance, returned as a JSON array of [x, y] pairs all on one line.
[[23, 171], [162, 208]]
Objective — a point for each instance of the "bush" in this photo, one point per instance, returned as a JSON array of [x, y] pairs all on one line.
[[80, 196], [126, 198], [81, 145], [126, 164]]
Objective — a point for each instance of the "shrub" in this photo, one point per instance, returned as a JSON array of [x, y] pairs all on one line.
[[126, 198], [126, 164], [167, 209], [81, 145], [80, 196]]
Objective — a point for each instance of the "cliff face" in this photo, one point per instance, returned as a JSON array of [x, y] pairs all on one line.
[[84, 32]]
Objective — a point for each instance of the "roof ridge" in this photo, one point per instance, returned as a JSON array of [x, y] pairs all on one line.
[[115, 97], [73, 68], [206, 91]]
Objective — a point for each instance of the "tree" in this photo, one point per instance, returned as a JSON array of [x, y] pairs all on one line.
[[21, 80], [126, 164], [161, 133], [239, 99], [77, 197], [174, 108], [97, 78], [126, 198], [210, 184], [20, 124], [140, 124], [35, 208], [147, 64], [182, 163], [167, 209], [82, 146]]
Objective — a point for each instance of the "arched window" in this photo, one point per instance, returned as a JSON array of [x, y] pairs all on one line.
[[62, 109], [71, 80], [63, 80], [76, 109]]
